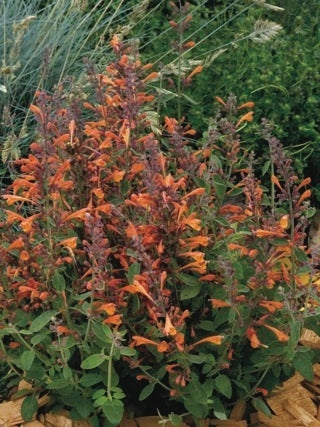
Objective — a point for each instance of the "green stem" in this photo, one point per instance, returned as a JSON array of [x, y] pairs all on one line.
[[272, 190], [7, 360], [46, 361], [110, 371], [259, 381], [156, 380], [180, 63]]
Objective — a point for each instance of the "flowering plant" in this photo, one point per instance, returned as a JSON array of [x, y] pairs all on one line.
[[154, 262]]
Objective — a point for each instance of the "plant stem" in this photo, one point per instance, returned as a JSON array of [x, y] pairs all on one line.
[[110, 371]]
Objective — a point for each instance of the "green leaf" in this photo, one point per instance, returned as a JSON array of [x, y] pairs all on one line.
[[220, 186], [199, 410], [196, 391], [266, 167], [84, 407], [223, 385], [188, 280], [189, 99], [175, 419], [58, 282], [146, 391], [302, 362], [133, 270], [103, 332], [83, 296], [93, 361], [295, 333], [98, 393], [127, 351], [261, 406], [57, 383], [88, 380], [219, 410], [27, 359], [113, 410], [41, 321], [190, 292], [40, 338], [29, 408]]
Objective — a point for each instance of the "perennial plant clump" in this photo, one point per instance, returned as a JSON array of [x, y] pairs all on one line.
[[158, 263]]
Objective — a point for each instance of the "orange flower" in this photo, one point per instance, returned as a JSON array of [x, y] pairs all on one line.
[[234, 246], [11, 199], [24, 256], [195, 192], [304, 182], [12, 216], [131, 231], [246, 118], [217, 303], [284, 222], [151, 76], [14, 344], [137, 287], [169, 329], [263, 391], [109, 308], [199, 264], [16, 244], [304, 196], [254, 340], [215, 339], [192, 221], [114, 320], [197, 70], [280, 335], [137, 340], [269, 233], [271, 306], [71, 242], [63, 330], [117, 176], [189, 44], [220, 100], [275, 181], [163, 347], [193, 242], [98, 193], [27, 223], [248, 104], [115, 43], [79, 214], [171, 124], [207, 278]]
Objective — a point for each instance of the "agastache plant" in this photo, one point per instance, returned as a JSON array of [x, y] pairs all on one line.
[[153, 261]]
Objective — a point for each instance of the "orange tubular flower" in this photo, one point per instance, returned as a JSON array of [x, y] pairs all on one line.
[[269, 233], [246, 118], [217, 303], [254, 340], [215, 339], [280, 335], [248, 104], [137, 287], [109, 308], [161, 347], [114, 320], [16, 244], [192, 221], [197, 70], [71, 242], [271, 306], [169, 329]]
